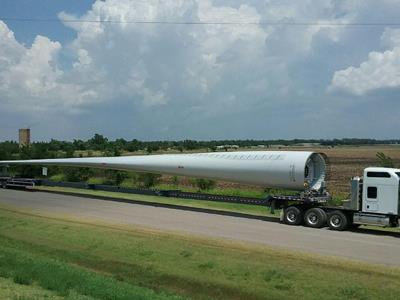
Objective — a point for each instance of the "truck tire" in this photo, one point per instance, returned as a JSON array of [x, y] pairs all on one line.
[[337, 220], [315, 218], [293, 215]]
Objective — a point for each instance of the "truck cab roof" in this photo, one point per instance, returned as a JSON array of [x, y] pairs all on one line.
[[391, 171]]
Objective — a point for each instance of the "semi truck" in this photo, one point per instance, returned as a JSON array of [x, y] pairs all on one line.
[[374, 197], [374, 200]]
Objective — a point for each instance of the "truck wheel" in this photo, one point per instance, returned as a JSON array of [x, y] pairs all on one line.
[[337, 220], [293, 215], [315, 217]]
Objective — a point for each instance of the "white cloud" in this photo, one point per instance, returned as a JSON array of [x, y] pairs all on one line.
[[391, 37], [152, 64], [380, 70], [299, 39], [214, 71], [31, 79], [36, 71], [10, 49], [149, 63]]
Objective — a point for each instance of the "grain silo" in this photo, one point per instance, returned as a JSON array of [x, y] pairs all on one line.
[[24, 137]]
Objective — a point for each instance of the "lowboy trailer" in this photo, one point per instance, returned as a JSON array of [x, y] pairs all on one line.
[[374, 197]]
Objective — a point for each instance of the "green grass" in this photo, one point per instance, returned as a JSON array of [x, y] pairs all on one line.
[[241, 192], [66, 279], [224, 206], [58, 177], [96, 180], [11, 290], [106, 262]]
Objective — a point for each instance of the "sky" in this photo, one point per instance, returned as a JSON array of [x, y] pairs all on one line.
[[334, 74]]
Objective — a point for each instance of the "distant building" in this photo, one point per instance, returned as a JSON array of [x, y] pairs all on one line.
[[226, 147], [24, 137]]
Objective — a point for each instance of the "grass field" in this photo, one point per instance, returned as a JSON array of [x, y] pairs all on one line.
[[72, 260], [223, 206], [11, 290]]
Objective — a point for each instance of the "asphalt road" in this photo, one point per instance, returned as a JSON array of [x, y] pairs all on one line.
[[369, 246]]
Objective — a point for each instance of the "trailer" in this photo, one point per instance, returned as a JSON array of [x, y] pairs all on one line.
[[18, 183], [374, 200]]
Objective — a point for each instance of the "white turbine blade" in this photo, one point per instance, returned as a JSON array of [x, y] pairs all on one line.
[[274, 169]]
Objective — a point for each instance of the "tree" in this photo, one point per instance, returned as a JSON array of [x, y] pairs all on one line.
[[120, 143], [115, 177], [190, 144], [3, 154], [69, 152], [79, 145], [204, 184], [148, 180], [116, 151], [98, 142], [54, 145], [175, 180], [384, 160], [40, 150], [77, 174], [133, 145], [26, 170], [119, 177], [152, 148]]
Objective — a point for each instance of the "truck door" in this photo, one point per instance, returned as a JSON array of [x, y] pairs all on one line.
[[371, 204]]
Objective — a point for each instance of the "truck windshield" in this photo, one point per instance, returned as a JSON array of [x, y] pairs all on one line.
[[398, 174]]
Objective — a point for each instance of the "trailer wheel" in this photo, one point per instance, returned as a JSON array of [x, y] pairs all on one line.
[[293, 215], [337, 220], [315, 217]]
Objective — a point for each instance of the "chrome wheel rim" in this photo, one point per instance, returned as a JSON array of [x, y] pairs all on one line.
[[312, 219], [291, 217], [335, 221]]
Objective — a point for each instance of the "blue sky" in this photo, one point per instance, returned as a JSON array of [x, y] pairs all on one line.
[[147, 81], [42, 9]]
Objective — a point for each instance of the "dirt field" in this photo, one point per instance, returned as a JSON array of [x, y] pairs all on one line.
[[346, 162]]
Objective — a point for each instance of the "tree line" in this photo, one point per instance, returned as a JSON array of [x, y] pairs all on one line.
[[99, 143]]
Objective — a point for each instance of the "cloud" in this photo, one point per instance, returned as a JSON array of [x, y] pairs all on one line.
[[10, 49], [31, 79], [381, 69], [391, 37], [159, 74], [153, 65]]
